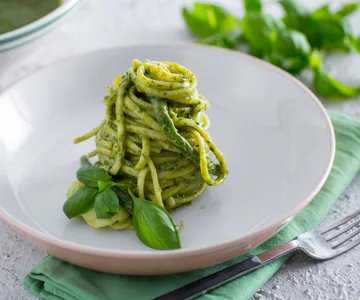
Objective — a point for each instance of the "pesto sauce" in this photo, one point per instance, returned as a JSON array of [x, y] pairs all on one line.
[[18, 13]]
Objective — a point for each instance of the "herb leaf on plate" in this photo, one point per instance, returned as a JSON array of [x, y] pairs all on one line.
[[80, 202], [106, 204], [152, 223], [90, 175], [154, 226]]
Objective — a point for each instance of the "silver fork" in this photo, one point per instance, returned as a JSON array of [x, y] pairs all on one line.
[[322, 243]]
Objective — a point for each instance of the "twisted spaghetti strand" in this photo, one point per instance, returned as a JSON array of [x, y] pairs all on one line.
[[155, 133]]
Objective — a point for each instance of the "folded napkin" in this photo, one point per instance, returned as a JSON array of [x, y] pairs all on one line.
[[55, 279]]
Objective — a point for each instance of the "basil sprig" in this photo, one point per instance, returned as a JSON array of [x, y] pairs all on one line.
[[152, 223], [290, 42], [96, 192]]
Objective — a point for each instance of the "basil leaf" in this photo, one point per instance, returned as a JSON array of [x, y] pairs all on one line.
[[348, 9], [322, 11], [253, 5], [290, 50], [80, 202], [345, 45], [293, 8], [106, 204], [290, 42], [322, 28], [296, 14], [299, 17], [329, 87], [331, 28], [206, 20], [258, 29], [356, 43], [292, 65], [154, 226], [90, 175]]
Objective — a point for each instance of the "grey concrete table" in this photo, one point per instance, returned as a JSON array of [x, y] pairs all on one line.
[[96, 24]]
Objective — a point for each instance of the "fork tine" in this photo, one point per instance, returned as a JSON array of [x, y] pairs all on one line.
[[325, 229], [347, 246], [337, 242], [333, 234]]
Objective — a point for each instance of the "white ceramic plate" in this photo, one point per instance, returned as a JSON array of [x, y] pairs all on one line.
[[275, 134]]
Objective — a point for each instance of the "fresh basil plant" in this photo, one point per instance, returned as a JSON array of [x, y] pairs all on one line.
[[289, 42]]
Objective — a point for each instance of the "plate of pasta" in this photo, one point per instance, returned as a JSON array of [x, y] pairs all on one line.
[[156, 159]]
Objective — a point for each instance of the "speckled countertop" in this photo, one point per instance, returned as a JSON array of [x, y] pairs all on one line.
[[96, 24]]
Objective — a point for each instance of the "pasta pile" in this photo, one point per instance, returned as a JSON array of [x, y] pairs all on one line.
[[155, 135]]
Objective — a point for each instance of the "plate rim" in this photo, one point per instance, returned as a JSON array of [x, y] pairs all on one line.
[[183, 252]]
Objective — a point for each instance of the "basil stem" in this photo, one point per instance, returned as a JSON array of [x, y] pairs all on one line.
[[169, 129]]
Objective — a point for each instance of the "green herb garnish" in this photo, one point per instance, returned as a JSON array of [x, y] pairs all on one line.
[[290, 42], [154, 226], [80, 202], [90, 176], [106, 204], [152, 223]]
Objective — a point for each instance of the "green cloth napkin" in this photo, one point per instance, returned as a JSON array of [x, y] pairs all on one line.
[[55, 279]]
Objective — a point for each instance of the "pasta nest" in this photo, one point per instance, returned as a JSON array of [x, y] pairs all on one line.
[[155, 135]]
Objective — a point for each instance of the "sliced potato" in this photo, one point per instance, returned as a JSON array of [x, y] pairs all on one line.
[[77, 185], [125, 224]]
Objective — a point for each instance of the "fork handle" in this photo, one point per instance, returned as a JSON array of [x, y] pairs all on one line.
[[217, 279]]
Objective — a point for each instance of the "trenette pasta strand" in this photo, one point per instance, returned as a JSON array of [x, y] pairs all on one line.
[[155, 133]]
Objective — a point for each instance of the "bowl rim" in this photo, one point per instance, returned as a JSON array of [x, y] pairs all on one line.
[[38, 24], [32, 233]]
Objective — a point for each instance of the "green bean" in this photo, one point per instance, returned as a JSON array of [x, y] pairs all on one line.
[[124, 199], [85, 161], [168, 128]]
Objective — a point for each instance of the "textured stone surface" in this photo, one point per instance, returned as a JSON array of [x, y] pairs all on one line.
[[98, 24]]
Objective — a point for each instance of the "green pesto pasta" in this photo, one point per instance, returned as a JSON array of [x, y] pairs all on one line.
[[155, 134]]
